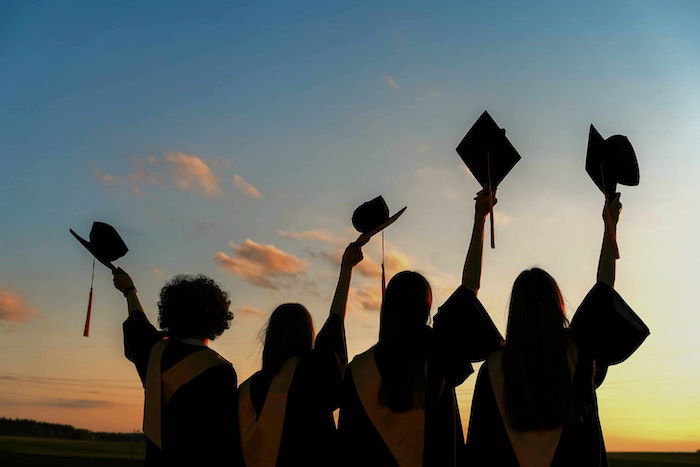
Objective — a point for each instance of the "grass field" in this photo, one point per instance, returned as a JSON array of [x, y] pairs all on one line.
[[17, 451], [39, 452]]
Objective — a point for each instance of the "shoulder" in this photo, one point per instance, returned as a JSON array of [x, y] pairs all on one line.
[[361, 361]]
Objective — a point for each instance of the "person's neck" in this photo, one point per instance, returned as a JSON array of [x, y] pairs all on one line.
[[196, 341]]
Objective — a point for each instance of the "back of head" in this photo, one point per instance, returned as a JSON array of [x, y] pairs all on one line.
[[403, 340], [193, 306], [289, 333], [537, 384]]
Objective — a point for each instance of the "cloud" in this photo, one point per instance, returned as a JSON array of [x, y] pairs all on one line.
[[104, 177], [389, 80], [187, 172], [318, 234], [501, 218], [192, 173], [14, 309], [252, 311], [261, 265], [394, 261], [368, 297], [78, 403], [441, 182], [245, 187]]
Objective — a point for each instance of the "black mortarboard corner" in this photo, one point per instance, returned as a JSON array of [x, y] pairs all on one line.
[[373, 217], [607, 326], [609, 162], [106, 245], [488, 155]]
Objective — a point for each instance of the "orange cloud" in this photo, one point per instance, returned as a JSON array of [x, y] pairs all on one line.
[[252, 311], [245, 187], [104, 177], [318, 234], [261, 265], [389, 80], [368, 297], [14, 309], [192, 173], [394, 261]]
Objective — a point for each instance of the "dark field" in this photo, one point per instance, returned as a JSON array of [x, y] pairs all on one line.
[[36, 452]]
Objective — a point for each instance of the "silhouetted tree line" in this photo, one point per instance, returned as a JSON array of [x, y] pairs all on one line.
[[35, 429]]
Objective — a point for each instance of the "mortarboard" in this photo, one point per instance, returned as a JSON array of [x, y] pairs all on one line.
[[106, 245], [609, 162], [371, 218], [488, 154]]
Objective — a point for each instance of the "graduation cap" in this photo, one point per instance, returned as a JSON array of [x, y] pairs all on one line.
[[371, 218], [488, 155], [106, 246], [607, 325], [609, 162]]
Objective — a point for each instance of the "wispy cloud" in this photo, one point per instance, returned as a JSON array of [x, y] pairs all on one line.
[[390, 81], [394, 261], [318, 234], [14, 308], [78, 403], [192, 173], [104, 177], [187, 172], [262, 265], [252, 311], [245, 187], [368, 297]]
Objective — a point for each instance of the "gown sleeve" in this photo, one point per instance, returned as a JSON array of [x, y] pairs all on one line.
[[464, 333], [606, 328], [328, 360], [139, 337]]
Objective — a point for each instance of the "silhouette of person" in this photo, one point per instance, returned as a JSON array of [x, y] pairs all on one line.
[[286, 408], [534, 402], [190, 411], [399, 404]]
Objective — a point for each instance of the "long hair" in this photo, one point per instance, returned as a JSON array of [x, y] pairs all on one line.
[[537, 384], [289, 333], [403, 341]]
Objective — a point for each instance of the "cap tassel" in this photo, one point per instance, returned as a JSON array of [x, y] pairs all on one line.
[[488, 172], [86, 331], [383, 270]]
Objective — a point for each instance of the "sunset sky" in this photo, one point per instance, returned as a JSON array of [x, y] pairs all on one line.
[[235, 140]]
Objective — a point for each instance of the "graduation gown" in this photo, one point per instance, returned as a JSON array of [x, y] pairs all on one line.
[[306, 429], [604, 331], [199, 422], [462, 333]]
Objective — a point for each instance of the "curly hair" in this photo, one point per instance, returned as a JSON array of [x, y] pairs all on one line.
[[193, 306]]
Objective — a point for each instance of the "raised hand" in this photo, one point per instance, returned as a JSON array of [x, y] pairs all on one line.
[[484, 203], [122, 281], [353, 255], [613, 207]]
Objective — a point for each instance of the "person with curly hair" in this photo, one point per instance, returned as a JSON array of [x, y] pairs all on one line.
[[190, 410]]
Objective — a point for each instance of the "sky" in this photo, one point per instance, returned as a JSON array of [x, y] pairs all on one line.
[[235, 139]]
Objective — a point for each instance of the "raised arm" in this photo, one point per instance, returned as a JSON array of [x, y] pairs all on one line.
[[606, 263], [351, 257], [471, 275], [124, 284]]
